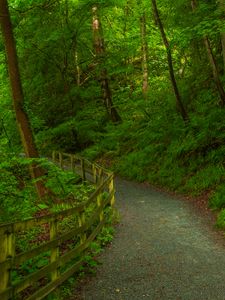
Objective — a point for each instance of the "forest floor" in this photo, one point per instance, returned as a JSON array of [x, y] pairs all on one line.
[[164, 248]]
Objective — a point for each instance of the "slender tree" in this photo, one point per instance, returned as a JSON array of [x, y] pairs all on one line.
[[144, 42], [100, 52], [212, 61], [18, 97], [179, 102], [222, 7], [223, 48]]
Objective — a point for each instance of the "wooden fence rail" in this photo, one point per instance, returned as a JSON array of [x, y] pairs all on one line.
[[61, 262]]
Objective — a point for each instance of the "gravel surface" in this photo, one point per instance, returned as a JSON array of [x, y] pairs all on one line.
[[163, 249]]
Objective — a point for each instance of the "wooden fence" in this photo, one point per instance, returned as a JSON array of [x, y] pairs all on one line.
[[61, 263]]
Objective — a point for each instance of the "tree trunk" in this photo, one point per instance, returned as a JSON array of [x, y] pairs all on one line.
[[18, 98], [223, 49], [179, 102], [222, 7], [144, 55], [215, 70], [212, 62], [100, 52], [78, 75]]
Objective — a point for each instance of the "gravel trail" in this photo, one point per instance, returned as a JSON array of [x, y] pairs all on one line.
[[163, 249]]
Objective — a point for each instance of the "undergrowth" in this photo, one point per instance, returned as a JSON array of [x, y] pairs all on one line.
[[18, 195], [155, 145]]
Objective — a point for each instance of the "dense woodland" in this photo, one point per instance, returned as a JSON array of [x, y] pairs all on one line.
[[136, 85]]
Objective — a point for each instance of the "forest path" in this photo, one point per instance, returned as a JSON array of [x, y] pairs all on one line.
[[163, 249]]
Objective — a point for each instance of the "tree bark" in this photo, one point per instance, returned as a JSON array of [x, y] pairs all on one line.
[[212, 62], [215, 70], [223, 49], [145, 85], [78, 73], [18, 97], [179, 102], [222, 7], [100, 52]]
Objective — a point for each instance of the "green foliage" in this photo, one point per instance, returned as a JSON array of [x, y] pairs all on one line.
[[207, 178], [221, 219], [18, 196], [16, 189], [105, 236], [217, 199], [65, 184]]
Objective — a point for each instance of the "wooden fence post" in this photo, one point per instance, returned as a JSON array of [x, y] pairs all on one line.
[[7, 250], [112, 191], [99, 203], [81, 221], [55, 250], [101, 178]]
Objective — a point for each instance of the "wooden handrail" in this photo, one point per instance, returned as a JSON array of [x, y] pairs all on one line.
[[82, 233]]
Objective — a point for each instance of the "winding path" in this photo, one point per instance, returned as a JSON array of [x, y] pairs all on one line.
[[163, 249]]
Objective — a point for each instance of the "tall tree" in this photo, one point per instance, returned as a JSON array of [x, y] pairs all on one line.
[[100, 54], [179, 102], [222, 7], [144, 54], [18, 97], [212, 61]]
